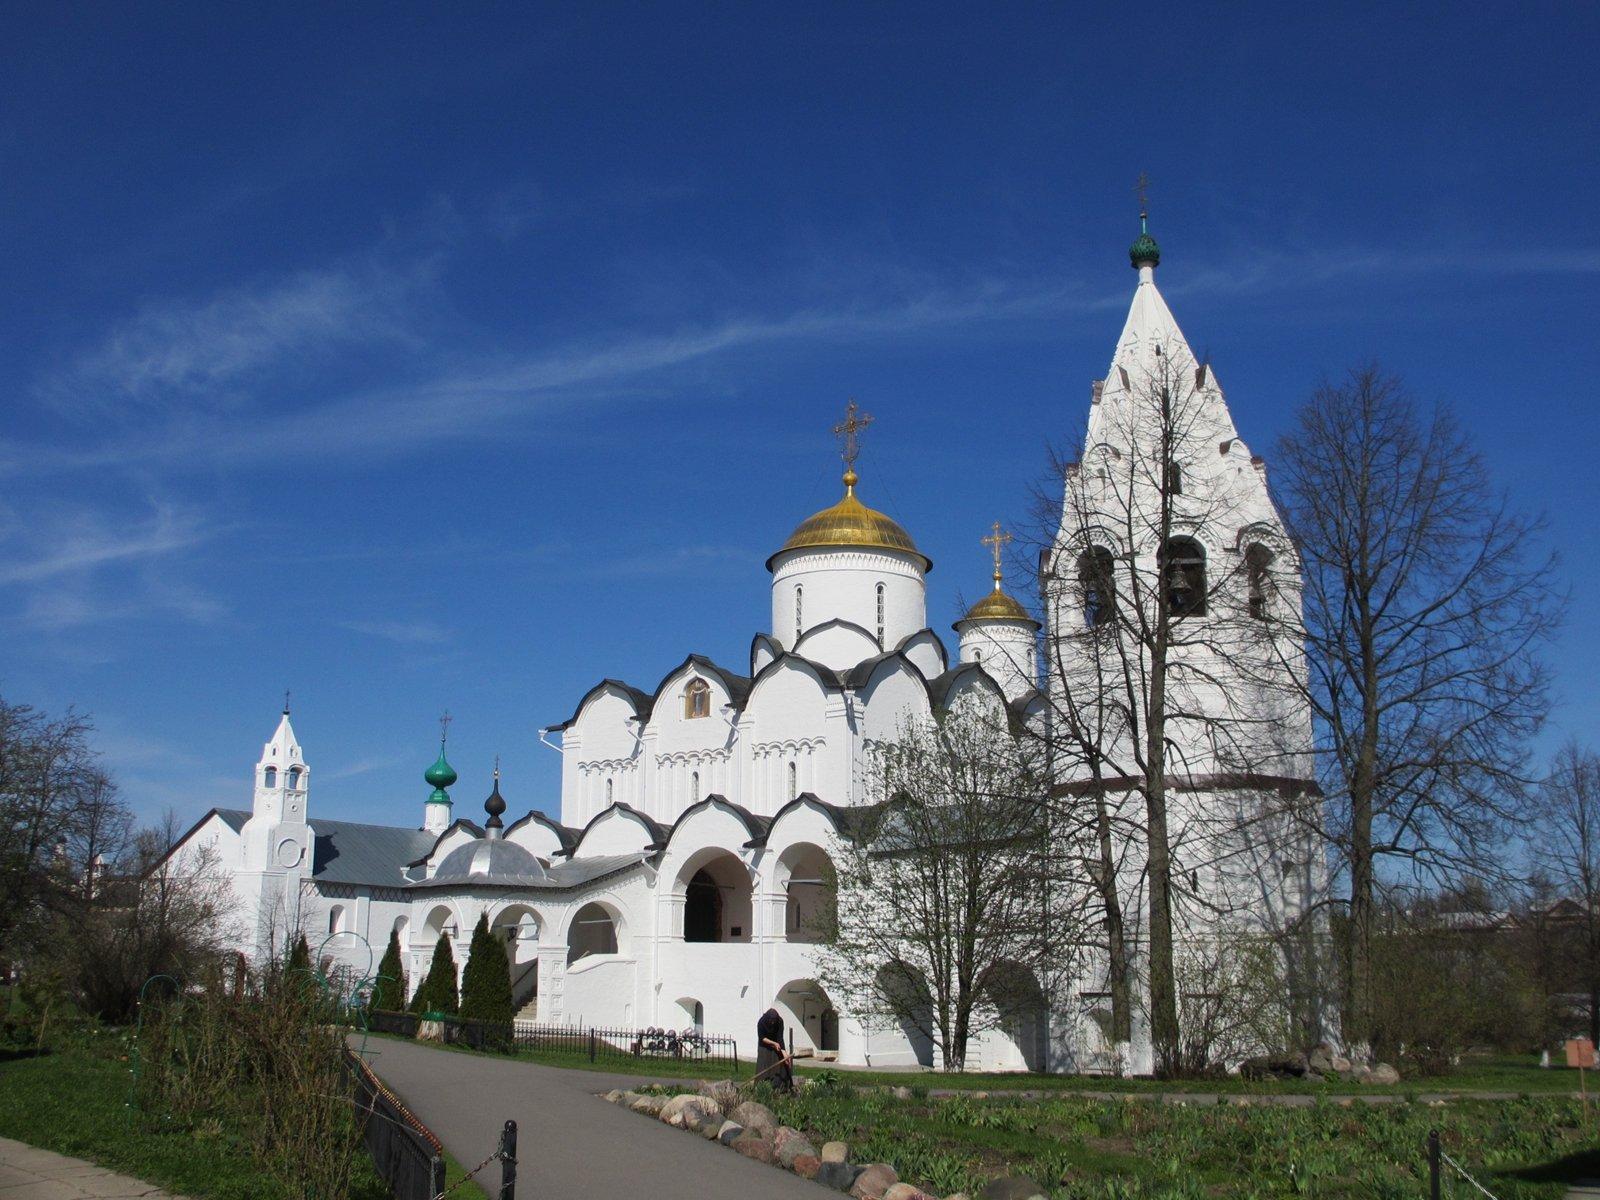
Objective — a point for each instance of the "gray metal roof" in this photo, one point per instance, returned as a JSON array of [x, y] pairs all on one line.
[[350, 852], [490, 861], [347, 852], [560, 877]]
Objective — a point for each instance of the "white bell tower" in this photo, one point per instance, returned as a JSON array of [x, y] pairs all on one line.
[[277, 842]]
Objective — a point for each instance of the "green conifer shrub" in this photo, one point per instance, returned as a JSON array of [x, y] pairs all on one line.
[[438, 990], [299, 956], [486, 982], [389, 991]]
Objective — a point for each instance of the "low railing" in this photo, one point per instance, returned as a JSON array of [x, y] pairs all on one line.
[[402, 1023], [405, 1152], [622, 1044], [480, 1035], [591, 1042]]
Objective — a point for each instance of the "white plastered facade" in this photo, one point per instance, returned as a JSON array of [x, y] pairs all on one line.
[[741, 783]]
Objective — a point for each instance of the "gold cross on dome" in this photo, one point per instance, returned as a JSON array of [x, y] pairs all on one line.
[[444, 726], [1141, 187], [849, 432], [997, 541]]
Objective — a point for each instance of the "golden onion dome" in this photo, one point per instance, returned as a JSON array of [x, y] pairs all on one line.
[[997, 606], [851, 524]]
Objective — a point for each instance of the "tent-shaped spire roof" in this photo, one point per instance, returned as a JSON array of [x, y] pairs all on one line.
[[1151, 352]]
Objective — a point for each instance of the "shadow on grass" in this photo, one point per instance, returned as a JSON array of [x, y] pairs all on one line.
[[1585, 1164], [15, 1053]]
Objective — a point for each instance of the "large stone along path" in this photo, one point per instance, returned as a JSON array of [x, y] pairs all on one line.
[[570, 1142]]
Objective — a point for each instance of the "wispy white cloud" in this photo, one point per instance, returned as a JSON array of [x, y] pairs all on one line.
[[73, 565], [209, 349], [364, 766], [78, 541], [472, 400], [409, 633], [185, 352], [677, 561]]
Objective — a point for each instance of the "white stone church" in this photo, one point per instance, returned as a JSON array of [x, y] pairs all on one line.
[[698, 815]]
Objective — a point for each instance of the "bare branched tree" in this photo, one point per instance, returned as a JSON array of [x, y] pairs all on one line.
[[151, 912], [1427, 599], [59, 812], [1566, 834], [952, 914]]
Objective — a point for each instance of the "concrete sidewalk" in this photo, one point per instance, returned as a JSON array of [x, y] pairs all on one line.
[[570, 1143], [28, 1173]]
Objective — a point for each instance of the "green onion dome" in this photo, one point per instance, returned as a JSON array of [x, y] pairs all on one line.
[[441, 775], [1144, 250]]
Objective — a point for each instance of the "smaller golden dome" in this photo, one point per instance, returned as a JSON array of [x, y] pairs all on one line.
[[851, 523], [997, 606]]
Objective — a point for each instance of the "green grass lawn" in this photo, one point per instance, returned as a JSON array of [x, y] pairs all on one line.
[[1516, 1074], [75, 1100], [1085, 1149]]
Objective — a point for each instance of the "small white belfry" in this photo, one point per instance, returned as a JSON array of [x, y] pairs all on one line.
[[676, 879]]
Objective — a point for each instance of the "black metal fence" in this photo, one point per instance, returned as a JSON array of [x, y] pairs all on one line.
[[595, 1044], [406, 1154], [404, 1024], [622, 1044]]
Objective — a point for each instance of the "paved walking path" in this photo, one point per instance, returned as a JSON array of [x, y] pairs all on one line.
[[28, 1173], [570, 1142]]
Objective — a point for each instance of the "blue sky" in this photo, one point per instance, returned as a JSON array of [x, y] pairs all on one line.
[[457, 357]]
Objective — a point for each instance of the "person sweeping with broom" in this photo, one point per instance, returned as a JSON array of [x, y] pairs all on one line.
[[772, 1060]]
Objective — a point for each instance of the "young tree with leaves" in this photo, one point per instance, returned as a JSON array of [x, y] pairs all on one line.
[[951, 914], [1427, 602]]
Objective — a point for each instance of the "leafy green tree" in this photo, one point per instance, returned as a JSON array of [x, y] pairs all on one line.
[[389, 994], [438, 990], [486, 982]]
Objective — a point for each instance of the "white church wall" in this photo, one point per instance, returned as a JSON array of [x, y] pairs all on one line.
[[785, 735], [1007, 650], [613, 832], [535, 837], [893, 695], [926, 652], [837, 645], [452, 839], [600, 756]]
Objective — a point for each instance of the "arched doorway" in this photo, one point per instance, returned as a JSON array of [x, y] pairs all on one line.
[[695, 1011], [810, 1016], [702, 909], [1020, 1039], [716, 898], [519, 927], [904, 994]]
